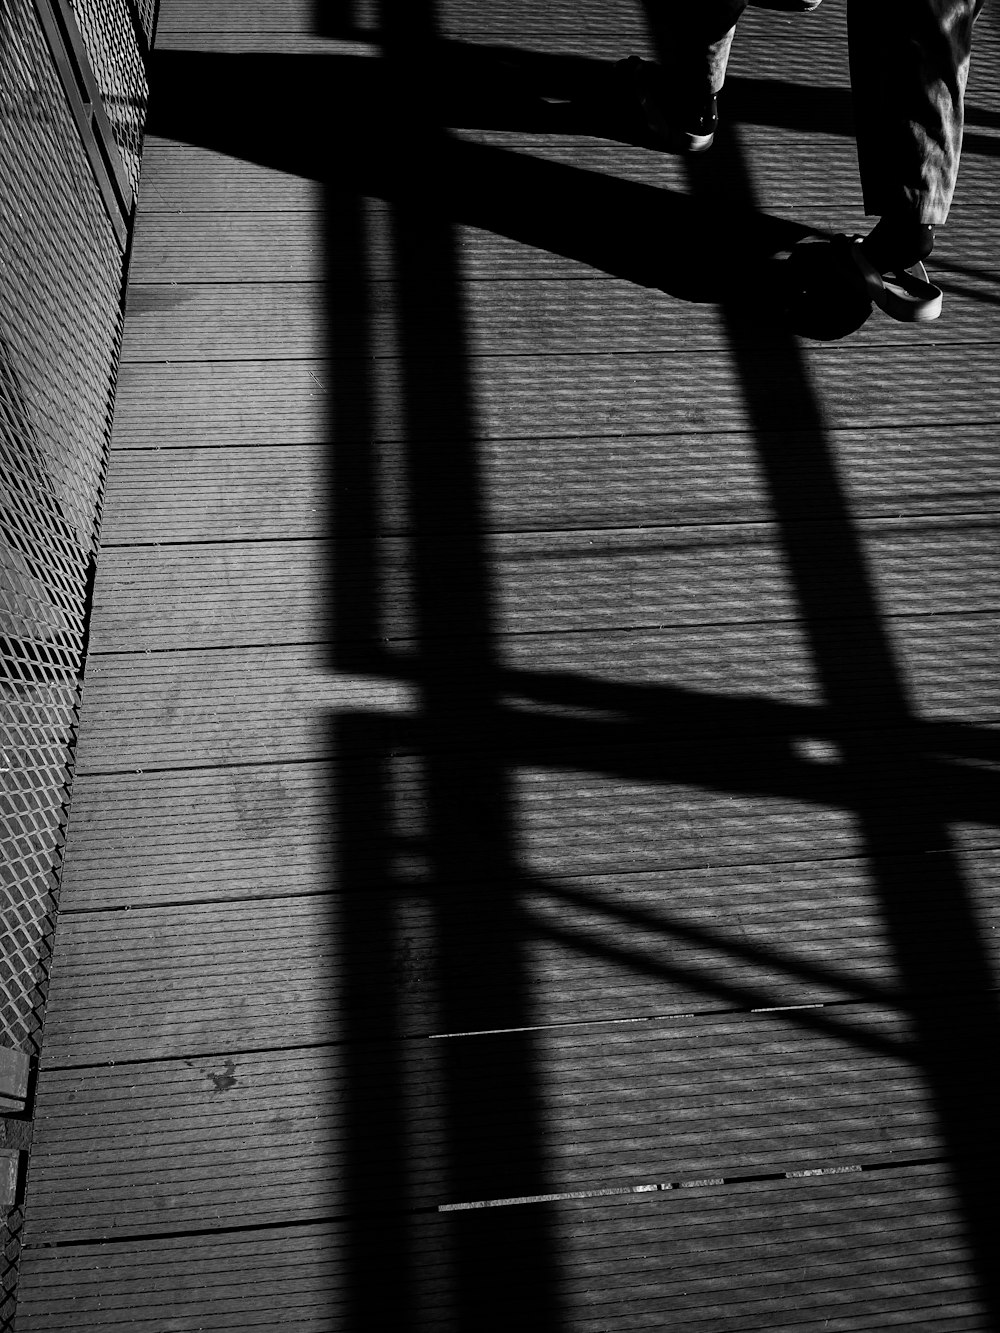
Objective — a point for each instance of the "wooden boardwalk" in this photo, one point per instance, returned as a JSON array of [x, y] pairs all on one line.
[[540, 736]]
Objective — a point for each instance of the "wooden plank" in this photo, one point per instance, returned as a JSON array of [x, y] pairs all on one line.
[[595, 163], [241, 493], [289, 245], [240, 832], [304, 321], [608, 1248], [179, 179], [295, 322], [193, 709], [858, 1251], [825, 166], [268, 1135], [232, 594], [251, 403], [158, 982], [299, 16]]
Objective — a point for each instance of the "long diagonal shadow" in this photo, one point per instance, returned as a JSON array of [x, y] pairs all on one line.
[[344, 120], [897, 792], [364, 128]]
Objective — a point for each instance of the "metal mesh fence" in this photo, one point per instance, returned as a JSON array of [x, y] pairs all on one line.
[[109, 31], [60, 287], [60, 329], [145, 15]]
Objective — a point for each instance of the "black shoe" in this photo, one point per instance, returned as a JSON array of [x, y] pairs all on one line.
[[696, 126], [895, 244], [685, 126]]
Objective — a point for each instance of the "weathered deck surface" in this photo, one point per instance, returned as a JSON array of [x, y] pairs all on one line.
[[541, 728]]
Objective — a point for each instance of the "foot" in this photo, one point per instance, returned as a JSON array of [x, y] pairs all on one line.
[[904, 293], [696, 125], [896, 244], [687, 124]]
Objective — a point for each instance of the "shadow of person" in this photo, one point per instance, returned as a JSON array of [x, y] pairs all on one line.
[[342, 120]]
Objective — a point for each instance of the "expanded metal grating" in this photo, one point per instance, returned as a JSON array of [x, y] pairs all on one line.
[[145, 16], [60, 287], [113, 43], [61, 258]]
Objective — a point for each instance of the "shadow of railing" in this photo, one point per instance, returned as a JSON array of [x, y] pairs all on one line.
[[370, 128], [900, 793]]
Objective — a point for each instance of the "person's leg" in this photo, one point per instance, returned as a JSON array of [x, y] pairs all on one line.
[[677, 95], [693, 40], [909, 63]]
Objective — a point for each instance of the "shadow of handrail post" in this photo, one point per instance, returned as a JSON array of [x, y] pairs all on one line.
[[368, 1014], [485, 1103], [490, 1093]]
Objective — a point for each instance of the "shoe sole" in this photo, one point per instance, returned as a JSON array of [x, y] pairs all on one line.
[[683, 141], [908, 297]]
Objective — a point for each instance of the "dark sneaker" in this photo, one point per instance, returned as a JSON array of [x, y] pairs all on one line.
[[684, 126], [696, 126], [896, 243]]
